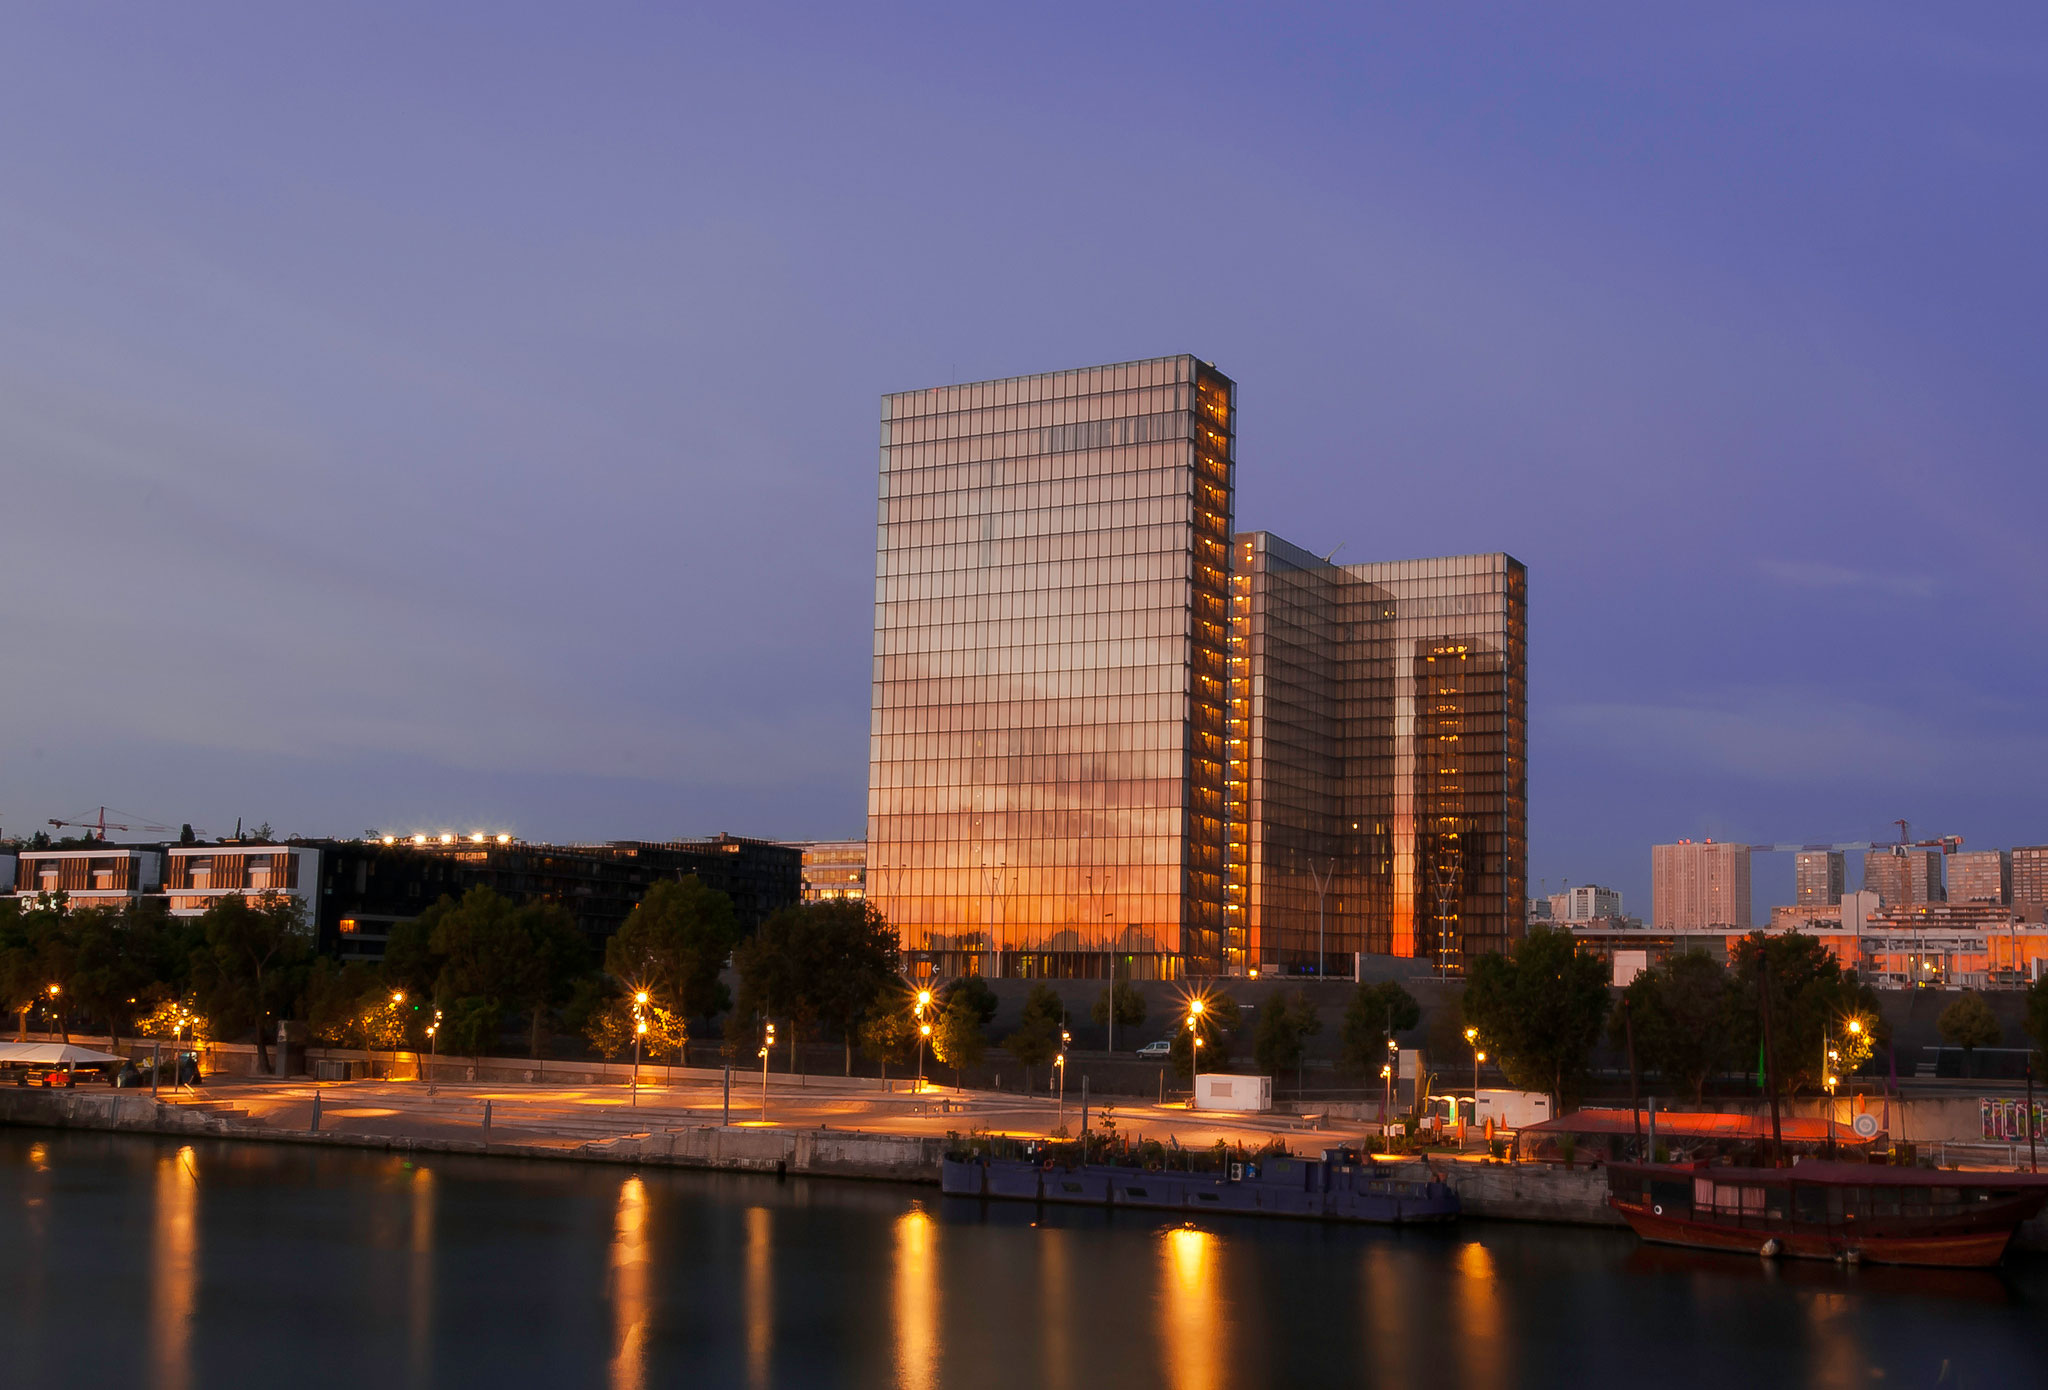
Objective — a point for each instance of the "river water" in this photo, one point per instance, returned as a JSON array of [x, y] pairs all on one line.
[[136, 1261]]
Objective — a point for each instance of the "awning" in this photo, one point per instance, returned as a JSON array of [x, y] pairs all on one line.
[[52, 1055], [1692, 1124]]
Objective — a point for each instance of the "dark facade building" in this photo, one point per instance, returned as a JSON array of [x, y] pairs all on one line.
[[1378, 785], [366, 886]]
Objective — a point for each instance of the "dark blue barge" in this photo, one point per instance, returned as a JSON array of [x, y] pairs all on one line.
[[1340, 1186]]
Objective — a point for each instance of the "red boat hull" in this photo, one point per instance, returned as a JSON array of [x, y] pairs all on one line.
[[1961, 1250]]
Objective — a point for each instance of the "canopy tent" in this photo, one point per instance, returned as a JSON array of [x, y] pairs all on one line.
[[27, 1054], [1695, 1132]]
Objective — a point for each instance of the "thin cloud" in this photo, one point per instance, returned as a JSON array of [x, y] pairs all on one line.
[[1816, 574]]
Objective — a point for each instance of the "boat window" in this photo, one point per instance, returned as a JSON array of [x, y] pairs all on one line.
[[1884, 1201], [1134, 1192], [1775, 1200], [1674, 1197], [1811, 1204], [1948, 1196], [1207, 1197], [1703, 1193]]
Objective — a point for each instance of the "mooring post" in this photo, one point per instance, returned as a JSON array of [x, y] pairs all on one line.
[[316, 1112], [487, 1124]]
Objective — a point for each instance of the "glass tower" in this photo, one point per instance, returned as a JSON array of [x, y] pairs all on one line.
[[1045, 785], [1378, 744]]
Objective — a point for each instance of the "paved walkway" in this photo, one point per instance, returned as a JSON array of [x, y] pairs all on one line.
[[569, 1116]]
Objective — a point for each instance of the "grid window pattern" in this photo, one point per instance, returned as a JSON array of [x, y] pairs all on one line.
[[1046, 749], [1381, 711]]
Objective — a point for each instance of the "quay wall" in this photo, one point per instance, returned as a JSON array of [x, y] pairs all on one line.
[[819, 1153]]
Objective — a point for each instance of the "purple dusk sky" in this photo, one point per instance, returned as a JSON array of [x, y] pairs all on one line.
[[465, 416]]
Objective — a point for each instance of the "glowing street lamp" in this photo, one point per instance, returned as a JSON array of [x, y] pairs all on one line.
[[1061, 1063], [767, 1046], [924, 1031]]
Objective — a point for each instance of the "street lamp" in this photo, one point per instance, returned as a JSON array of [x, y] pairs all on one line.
[[924, 1030], [434, 1049], [767, 1046], [640, 1034], [51, 1007], [1061, 1063], [1387, 1108]]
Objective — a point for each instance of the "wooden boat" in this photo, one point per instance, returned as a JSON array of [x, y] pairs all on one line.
[[1829, 1211], [1343, 1185]]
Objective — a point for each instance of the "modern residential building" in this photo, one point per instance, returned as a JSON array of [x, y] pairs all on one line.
[[834, 869], [1699, 885], [1819, 876], [1904, 875], [1377, 788], [1585, 903], [1046, 751], [197, 876], [1980, 876], [101, 874], [2029, 874]]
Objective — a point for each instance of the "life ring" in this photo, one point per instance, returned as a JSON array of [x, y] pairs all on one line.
[[1657, 1210]]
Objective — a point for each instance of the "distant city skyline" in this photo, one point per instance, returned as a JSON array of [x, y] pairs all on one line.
[[466, 420]]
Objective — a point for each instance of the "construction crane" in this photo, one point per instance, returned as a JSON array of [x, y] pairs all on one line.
[[1947, 844], [101, 826]]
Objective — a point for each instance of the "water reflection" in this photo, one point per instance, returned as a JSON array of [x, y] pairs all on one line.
[[917, 1296], [760, 1295], [1056, 1300], [1191, 1327], [630, 1302], [421, 1300], [1479, 1329], [174, 1257]]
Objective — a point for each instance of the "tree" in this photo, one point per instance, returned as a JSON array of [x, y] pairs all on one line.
[[957, 1038], [1376, 1012], [1217, 1023], [255, 949], [1130, 1005], [2037, 1019], [1679, 1011], [888, 1033], [1037, 1037], [1280, 1039], [1812, 1002], [1540, 1011], [1969, 1024], [978, 996], [472, 1024], [112, 961], [518, 958], [856, 961], [674, 944], [614, 1025]]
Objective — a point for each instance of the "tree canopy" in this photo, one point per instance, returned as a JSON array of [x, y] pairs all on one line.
[[1812, 1002], [674, 944], [1280, 1038], [1374, 1014], [1540, 1011], [1679, 1013]]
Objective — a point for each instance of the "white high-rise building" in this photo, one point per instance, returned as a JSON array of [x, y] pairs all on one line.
[[1699, 884]]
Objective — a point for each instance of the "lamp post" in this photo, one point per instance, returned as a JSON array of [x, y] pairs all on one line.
[[924, 1030], [767, 1046], [639, 1034], [1060, 1062], [55, 1015], [433, 1049], [1472, 1039], [1387, 1106], [1197, 1010]]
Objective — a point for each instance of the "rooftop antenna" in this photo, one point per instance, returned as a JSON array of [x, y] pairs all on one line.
[[1333, 554]]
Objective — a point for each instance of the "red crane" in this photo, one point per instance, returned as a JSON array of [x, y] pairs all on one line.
[[101, 826]]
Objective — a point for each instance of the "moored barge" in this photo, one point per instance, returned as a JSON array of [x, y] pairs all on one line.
[[1829, 1211], [1342, 1185]]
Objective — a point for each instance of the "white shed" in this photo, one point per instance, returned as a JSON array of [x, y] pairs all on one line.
[[1213, 1092]]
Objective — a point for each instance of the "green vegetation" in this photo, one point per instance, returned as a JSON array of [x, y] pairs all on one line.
[[1539, 1012], [1813, 1002], [1217, 1023], [1969, 1024], [1678, 1012], [1376, 1012], [1037, 1039], [1280, 1040], [1130, 1005]]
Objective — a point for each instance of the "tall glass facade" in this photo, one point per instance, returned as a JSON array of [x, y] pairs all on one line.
[[1378, 741], [1046, 754]]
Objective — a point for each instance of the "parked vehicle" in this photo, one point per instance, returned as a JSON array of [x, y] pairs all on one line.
[[1156, 1049]]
